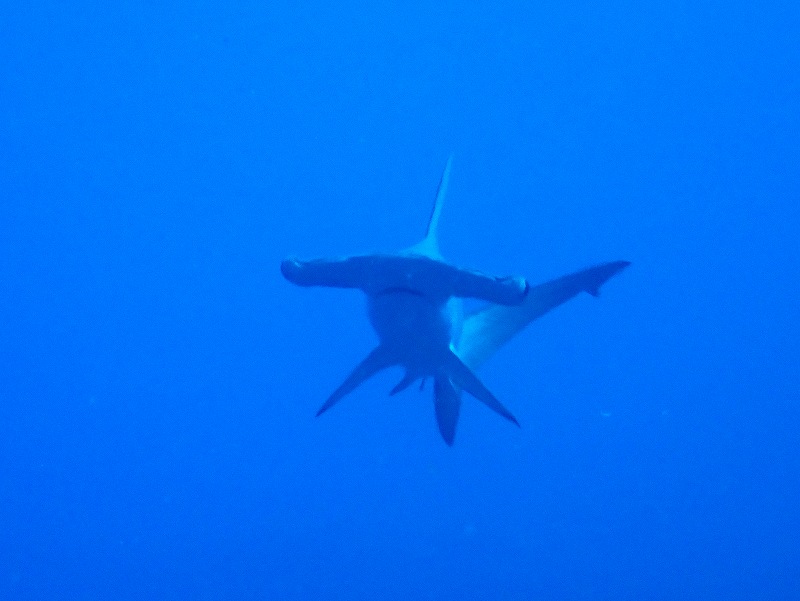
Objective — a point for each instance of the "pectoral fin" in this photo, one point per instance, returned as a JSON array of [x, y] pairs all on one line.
[[463, 378], [377, 360]]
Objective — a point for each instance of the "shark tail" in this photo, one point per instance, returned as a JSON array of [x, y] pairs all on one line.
[[377, 360], [488, 329]]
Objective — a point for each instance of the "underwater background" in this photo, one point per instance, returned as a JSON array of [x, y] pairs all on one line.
[[159, 378]]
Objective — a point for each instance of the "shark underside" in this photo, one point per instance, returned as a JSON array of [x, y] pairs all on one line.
[[414, 306]]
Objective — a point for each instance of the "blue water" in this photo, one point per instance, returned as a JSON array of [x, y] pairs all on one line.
[[158, 378]]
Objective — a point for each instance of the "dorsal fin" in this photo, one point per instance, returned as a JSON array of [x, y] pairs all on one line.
[[430, 244]]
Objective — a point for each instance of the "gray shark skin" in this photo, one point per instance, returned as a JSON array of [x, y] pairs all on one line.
[[414, 305]]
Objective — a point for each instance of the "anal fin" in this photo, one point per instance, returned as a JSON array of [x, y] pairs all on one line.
[[408, 380], [447, 404]]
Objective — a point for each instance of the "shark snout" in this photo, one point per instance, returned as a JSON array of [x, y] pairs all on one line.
[[291, 268]]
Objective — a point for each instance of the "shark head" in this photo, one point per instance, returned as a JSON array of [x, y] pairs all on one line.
[[414, 305]]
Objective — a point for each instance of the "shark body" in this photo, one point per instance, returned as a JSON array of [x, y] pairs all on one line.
[[414, 305]]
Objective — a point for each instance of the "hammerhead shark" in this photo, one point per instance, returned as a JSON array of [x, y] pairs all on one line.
[[415, 307]]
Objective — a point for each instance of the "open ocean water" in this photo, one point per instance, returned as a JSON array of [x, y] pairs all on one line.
[[159, 378]]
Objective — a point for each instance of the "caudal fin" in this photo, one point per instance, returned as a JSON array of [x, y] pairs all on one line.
[[490, 328]]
